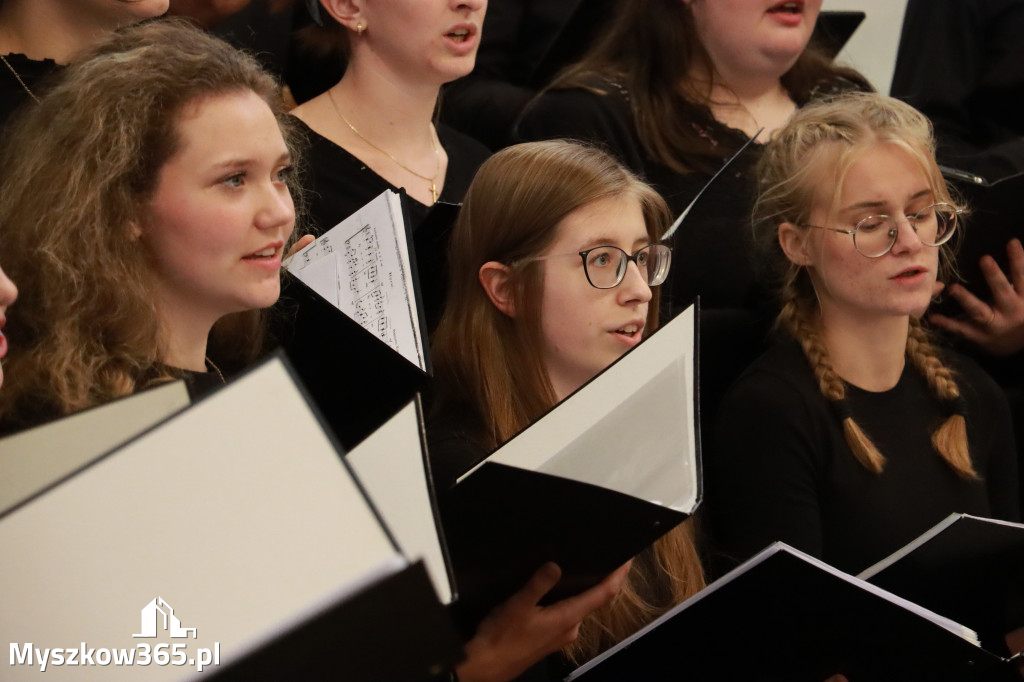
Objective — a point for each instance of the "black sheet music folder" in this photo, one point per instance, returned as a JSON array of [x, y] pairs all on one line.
[[967, 568], [582, 486], [357, 381], [783, 615]]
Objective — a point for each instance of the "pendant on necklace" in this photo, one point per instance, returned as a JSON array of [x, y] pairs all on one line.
[[433, 191]]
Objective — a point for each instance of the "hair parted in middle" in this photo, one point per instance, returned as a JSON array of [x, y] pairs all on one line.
[[80, 169], [805, 164], [489, 365]]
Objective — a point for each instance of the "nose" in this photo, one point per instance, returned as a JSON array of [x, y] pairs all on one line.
[[276, 210], [8, 292], [633, 287], [471, 5], [907, 239]]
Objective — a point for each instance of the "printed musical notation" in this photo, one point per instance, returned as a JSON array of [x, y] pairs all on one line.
[[363, 267]]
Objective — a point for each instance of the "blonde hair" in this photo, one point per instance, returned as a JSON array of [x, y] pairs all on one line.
[[80, 169], [824, 140], [489, 365]]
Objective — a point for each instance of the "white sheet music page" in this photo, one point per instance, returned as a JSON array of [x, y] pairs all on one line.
[[592, 436], [362, 266]]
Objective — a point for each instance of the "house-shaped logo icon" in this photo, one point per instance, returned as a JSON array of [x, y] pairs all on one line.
[[150, 620]]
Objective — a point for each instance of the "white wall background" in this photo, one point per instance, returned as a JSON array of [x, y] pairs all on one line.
[[872, 49]]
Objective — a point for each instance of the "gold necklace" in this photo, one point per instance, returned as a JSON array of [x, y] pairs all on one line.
[[8, 65], [433, 142]]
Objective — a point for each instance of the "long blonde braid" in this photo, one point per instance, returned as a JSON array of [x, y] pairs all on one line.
[[797, 317]]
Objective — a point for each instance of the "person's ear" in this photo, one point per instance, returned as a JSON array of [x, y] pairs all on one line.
[[348, 13], [496, 279], [795, 244], [134, 231]]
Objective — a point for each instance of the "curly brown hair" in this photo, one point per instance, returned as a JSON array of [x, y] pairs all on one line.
[[80, 169]]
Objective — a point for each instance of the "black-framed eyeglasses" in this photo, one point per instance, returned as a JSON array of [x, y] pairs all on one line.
[[875, 235], [605, 266]]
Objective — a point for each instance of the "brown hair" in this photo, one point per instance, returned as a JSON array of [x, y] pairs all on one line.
[[651, 47], [489, 365], [824, 140], [80, 169]]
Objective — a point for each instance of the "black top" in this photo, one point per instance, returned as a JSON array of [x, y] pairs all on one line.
[[961, 62], [783, 470], [339, 184], [32, 72]]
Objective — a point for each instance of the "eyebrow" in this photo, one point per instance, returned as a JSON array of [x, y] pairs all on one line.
[[881, 204], [608, 241], [242, 162]]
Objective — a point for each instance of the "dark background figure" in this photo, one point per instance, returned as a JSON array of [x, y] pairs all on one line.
[[961, 62], [525, 44]]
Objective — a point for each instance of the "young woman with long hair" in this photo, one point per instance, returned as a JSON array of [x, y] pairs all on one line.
[[145, 200], [856, 432], [525, 325]]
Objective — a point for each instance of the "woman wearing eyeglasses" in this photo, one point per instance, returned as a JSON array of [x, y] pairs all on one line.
[[855, 433], [552, 264]]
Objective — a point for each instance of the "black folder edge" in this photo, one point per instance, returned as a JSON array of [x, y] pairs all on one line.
[[450, 657], [981, 657], [834, 29], [435, 508], [417, 289], [86, 465], [911, 572], [466, 615], [299, 290], [432, 238]]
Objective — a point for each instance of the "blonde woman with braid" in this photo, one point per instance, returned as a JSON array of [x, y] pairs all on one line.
[[855, 433]]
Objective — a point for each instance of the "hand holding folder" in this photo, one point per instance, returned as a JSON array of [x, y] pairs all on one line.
[[520, 632], [580, 486]]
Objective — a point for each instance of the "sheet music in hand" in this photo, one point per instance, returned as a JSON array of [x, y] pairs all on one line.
[[364, 267], [598, 478], [241, 514]]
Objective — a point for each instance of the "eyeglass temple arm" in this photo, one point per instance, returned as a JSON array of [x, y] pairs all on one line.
[[686, 211]]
